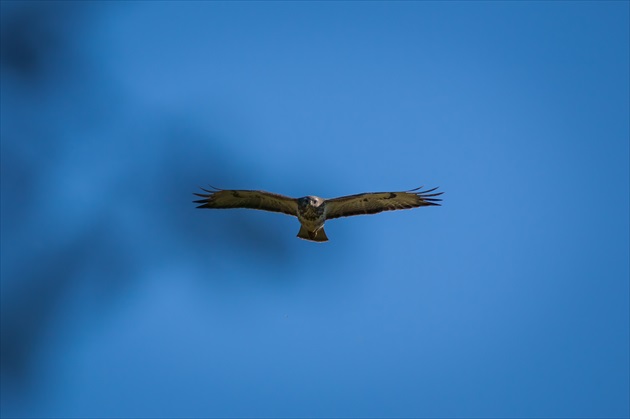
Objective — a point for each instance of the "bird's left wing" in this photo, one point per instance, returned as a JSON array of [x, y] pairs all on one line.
[[375, 202], [260, 200]]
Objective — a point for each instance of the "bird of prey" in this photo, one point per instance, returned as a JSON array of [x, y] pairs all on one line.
[[313, 211]]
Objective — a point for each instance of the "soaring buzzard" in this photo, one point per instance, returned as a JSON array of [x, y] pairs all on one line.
[[313, 211]]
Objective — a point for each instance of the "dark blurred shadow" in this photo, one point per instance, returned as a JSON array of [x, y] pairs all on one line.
[[32, 297], [32, 39], [138, 209]]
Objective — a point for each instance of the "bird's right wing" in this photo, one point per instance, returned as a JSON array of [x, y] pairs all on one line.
[[260, 200], [375, 202]]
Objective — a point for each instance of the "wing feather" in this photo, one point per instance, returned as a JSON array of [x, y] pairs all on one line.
[[375, 202], [259, 200]]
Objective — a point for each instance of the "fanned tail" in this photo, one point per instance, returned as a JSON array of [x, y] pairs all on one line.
[[314, 236]]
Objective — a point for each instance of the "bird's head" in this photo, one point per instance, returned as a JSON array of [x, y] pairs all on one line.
[[310, 201]]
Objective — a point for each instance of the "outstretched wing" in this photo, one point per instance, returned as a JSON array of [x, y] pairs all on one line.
[[260, 200], [372, 203]]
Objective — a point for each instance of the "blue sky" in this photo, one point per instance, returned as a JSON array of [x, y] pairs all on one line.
[[120, 299]]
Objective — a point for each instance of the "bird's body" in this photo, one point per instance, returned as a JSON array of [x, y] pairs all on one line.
[[312, 215], [313, 211]]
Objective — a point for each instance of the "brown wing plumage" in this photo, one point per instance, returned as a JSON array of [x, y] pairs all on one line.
[[375, 202], [260, 200]]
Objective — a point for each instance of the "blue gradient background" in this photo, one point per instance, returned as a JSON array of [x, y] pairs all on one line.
[[120, 299]]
